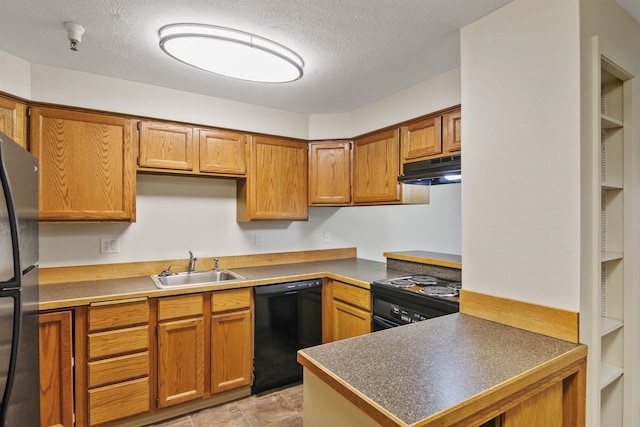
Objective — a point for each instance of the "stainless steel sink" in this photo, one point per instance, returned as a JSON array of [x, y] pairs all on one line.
[[195, 278]]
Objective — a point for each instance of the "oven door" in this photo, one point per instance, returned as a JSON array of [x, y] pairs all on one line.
[[379, 323]]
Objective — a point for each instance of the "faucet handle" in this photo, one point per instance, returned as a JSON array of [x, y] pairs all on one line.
[[191, 256], [166, 272]]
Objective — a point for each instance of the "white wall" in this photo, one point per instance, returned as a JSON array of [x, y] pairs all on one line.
[[177, 214], [15, 75], [67, 87], [521, 195]]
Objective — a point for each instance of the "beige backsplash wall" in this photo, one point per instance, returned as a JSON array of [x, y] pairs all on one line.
[[178, 214]]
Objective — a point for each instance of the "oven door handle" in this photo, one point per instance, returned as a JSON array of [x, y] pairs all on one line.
[[384, 322]]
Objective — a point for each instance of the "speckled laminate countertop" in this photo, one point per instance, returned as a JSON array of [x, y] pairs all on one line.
[[356, 271], [425, 257], [415, 372]]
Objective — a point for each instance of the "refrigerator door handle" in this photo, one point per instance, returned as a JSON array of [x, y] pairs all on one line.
[[17, 318], [12, 216]]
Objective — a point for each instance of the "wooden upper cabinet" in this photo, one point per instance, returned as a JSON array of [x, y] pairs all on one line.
[[13, 120], [223, 152], [87, 165], [432, 137], [376, 168], [330, 173], [181, 149], [452, 132], [166, 146], [422, 139], [276, 184]]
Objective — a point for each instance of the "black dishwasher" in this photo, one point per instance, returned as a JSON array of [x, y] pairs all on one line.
[[287, 318]]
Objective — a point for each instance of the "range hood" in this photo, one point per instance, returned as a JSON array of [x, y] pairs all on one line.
[[443, 170]]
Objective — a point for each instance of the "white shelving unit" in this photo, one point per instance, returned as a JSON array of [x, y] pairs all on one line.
[[609, 352]]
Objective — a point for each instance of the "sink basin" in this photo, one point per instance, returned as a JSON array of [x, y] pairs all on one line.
[[195, 278]]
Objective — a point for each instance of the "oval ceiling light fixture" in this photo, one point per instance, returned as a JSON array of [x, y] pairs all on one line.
[[231, 53]]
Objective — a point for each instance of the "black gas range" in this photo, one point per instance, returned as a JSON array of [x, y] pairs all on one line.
[[412, 298]]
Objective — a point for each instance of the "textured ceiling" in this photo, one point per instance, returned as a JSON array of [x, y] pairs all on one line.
[[355, 51]]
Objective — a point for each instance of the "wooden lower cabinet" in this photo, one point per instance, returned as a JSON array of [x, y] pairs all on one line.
[[117, 362], [231, 340], [231, 357], [181, 347], [349, 321], [347, 309], [56, 369], [140, 356]]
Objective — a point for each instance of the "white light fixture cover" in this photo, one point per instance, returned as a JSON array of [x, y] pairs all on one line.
[[230, 53]]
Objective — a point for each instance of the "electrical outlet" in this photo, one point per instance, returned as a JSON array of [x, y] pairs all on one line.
[[327, 237], [109, 245], [259, 239]]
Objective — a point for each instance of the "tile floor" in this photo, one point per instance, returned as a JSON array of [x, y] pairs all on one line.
[[279, 408]]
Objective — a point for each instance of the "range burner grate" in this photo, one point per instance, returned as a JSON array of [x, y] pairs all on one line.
[[423, 280], [439, 291], [401, 283]]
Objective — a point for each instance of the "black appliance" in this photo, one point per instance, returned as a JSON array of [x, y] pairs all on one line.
[[19, 339], [288, 317], [413, 298], [443, 170]]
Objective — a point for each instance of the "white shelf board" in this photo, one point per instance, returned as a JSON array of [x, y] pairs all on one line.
[[608, 374], [609, 122], [611, 186], [610, 256], [608, 325]]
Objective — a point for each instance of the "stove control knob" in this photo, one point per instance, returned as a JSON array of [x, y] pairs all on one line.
[[395, 310]]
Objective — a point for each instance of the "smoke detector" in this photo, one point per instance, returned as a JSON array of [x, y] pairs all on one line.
[[74, 34]]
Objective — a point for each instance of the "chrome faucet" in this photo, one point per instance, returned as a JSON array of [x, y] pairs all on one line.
[[216, 264], [192, 262]]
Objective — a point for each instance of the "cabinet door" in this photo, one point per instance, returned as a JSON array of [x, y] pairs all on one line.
[[276, 186], [231, 350], [330, 173], [13, 120], [349, 321], [87, 165], [452, 132], [223, 152], [166, 146], [180, 361], [56, 370], [376, 168], [422, 139]]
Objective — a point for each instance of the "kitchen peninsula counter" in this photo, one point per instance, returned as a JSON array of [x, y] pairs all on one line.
[[448, 370]]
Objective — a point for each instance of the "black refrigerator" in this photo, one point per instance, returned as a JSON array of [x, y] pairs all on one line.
[[19, 340]]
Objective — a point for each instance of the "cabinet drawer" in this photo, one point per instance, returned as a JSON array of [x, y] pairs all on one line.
[[118, 369], [182, 306], [353, 295], [122, 341], [230, 300], [117, 401], [118, 315]]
